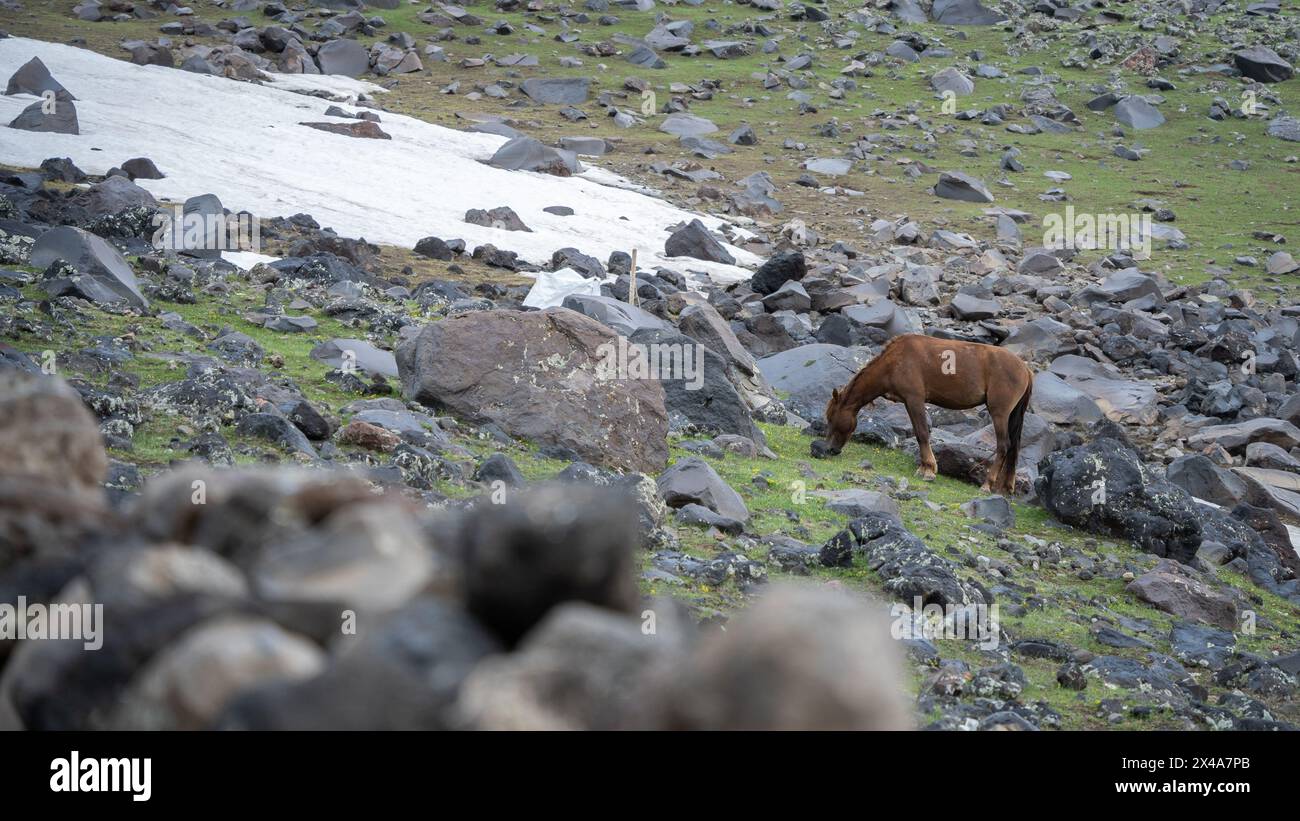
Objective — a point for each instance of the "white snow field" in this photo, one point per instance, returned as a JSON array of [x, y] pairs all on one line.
[[242, 142]]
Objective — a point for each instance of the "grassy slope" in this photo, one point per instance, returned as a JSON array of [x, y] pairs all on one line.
[[1072, 603]]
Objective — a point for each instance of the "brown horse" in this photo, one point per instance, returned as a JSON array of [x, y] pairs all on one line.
[[915, 369]]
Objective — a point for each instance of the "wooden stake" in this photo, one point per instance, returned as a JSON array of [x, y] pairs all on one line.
[[632, 296]]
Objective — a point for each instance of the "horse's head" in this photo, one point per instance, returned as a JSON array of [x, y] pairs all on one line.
[[841, 419]]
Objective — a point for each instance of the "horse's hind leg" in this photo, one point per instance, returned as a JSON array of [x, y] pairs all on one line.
[[994, 480], [921, 427]]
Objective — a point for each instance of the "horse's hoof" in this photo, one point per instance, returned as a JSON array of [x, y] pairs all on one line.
[[985, 488], [926, 474]]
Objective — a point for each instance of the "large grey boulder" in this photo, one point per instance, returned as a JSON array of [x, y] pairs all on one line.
[[343, 56], [358, 354], [971, 308], [687, 125], [641, 54], [101, 274], [199, 229], [1174, 588], [856, 503], [530, 154], [1263, 64], [540, 376], [702, 322], [1103, 487], [957, 185], [114, 195], [694, 240], [693, 481], [1123, 400], [1058, 402], [621, 316], [1234, 437], [668, 38], [964, 13], [1285, 127], [32, 77], [697, 386], [1041, 339], [952, 80], [142, 168], [1129, 284], [909, 11], [61, 118], [805, 376], [565, 90], [1136, 112], [1200, 477]]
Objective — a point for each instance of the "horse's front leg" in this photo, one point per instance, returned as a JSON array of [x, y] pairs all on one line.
[[921, 427]]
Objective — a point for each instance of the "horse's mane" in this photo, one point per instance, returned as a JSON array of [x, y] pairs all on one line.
[[848, 386], [889, 343]]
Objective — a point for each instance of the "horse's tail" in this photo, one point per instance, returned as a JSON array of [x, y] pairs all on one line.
[[1015, 426]]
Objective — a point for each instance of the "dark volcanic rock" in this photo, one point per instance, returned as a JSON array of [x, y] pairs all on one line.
[[141, 168], [567, 90], [1263, 64], [35, 79], [964, 13], [529, 154], [693, 481], [778, 270], [364, 129], [956, 185], [1173, 588], [694, 240], [346, 57], [910, 569], [1137, 113], [1104, 487], [100, 273], [38, 117]]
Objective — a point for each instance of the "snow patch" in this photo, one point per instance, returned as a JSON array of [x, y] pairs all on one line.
[[243, 142], [246, 260], [339, 88]]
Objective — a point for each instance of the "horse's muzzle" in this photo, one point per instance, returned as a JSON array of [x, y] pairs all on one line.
[[822, 450]]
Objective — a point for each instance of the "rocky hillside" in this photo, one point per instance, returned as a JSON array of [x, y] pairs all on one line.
[[378, 449]]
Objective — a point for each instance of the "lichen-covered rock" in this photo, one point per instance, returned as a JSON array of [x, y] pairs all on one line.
[[1104, 487], [909, 568], [538, 375]]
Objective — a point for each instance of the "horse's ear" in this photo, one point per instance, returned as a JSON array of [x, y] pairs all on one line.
[[835, 394]]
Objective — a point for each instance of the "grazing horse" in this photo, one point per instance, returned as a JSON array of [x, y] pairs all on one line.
[[915, 369]]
